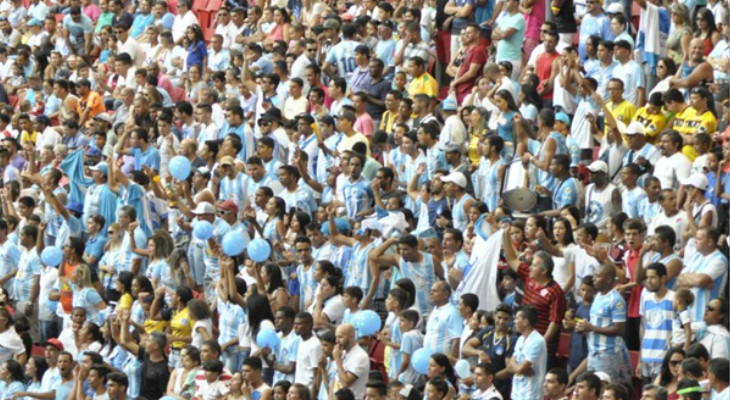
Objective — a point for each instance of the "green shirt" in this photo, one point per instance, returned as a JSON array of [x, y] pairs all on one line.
[[105, 19]]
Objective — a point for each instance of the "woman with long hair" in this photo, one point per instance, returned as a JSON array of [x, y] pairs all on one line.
[[563, 251], [203, 324], [197, 52], [281, 30], [234, 390], [260, 317], [669, 371], [12, 379], [270, 283], [110, 263], [273, 229], [181, 324], [34, 370], [680, 33], [296, 221], [707, 30], [141, 286], [193, 83], [85, 294], [505, 123], [439, 366], [478, 130], [90, 338], [665, 70], [123, 287], [328, 307], [530, 103], [113, 355]]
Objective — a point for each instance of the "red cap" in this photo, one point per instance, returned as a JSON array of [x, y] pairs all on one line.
[[228, 205], [55, 343]]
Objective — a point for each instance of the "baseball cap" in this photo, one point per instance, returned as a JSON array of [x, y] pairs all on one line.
[[93, 152], [598, 166], [227, 160], [75, 206], [449, 104], [204, 208], [456, 178], [55, 343], [406, 390], [563, 117], [101, 167], [34, 22], [204, 171], [104, 117], [615, 8], [635, 128], [228, 205], [698, 180], [388, 24]]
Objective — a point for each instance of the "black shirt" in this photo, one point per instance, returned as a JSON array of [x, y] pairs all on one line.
[[155, 375]]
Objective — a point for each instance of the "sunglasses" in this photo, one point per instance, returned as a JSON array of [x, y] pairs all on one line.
[[674, 363]]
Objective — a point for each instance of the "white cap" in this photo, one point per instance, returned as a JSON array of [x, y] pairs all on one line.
[[636, 128], [604, 377], [456, 178], [204, 208], [615, 8], [698, 180], [598, 166], [406, 390]]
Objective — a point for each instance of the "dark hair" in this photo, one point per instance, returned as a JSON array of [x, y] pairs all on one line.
[[689, 383], [184, 293], [508, 98], [568, 239], [619, 390], [410, 315], [529, 313], [258, 310], [692, 367], [720, 367], [16, 370], [591, 380], [276, 281], [408, 286], [665, 376], [698, 351], [659, 268], [354, 291], [41, 365], [119, 378], [440, 384], [561, 374]]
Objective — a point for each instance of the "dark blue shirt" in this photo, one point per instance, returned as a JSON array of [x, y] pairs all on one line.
[[196, 53]]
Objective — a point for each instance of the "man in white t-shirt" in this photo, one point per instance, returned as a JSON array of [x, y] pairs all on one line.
[[673, 166], [309, 350], [353, 363]]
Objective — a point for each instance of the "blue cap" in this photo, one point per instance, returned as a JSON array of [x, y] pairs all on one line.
[[75, 206], [34, 22], [562, 117], [449, 104], [93, 151], [342, 226], [101, 167]]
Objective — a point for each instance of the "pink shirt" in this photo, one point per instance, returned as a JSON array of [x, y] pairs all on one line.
[[365, 125], [535, 20]]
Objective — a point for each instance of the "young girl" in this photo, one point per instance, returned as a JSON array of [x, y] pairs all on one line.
[[681, 330], [439, 368]]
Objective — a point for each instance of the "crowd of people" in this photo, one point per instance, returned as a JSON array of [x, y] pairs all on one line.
[[535, 189]]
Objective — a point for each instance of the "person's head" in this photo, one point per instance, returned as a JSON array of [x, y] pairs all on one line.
[[303, 324], [689, 389], [525, 319], [616, 89], [615, 391], [653, 392], [716, 312], [669, 370], [718, 373], [706, 239], [604, 278], [556, 381], [299, 391], [116, 386], [375, 390], [436, 389], [587, 387], [656, 277]]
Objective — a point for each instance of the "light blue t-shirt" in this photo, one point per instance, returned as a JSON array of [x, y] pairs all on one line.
[[533, 349], [510, 49]]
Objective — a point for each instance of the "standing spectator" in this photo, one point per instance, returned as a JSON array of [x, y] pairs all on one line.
[[657, 315], [705, 272], [528, 365], [471, 63], [509, 35], [444, 326]]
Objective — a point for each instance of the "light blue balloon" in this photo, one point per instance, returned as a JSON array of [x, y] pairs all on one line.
[[367, 323], [268, 338], [52, 256], [179, 168], [234, 243], [462, 368], [203, 230], [259, 250], [420, 358]]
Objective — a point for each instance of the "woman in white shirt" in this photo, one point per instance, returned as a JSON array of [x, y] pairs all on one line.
[[203, 326], [259, 316]]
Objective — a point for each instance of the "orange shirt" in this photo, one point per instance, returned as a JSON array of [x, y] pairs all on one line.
[[66, 292], [94, 103]]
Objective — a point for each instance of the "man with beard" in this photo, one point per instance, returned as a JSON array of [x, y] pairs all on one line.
[[352, 362], [657, 315], [672, 167]]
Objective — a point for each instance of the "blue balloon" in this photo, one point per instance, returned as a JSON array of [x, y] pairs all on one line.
[[259, 250], [462, 368], [203, 230], [234, 243], [367, 323], [268, 338], [52, 256], [179, 168], [420, 358]]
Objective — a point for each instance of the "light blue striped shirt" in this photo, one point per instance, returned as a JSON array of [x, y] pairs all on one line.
[[132, 367], [606, 310], [286, 353], [29, 269], [234, 189], [533, 349], [423, 275], [307, 285], [713, 265], [302, 198], [631, 201], [231, 317], [658, 317], [342, 55], [9, 259], [220, 228], [358, 196], [444, 324]]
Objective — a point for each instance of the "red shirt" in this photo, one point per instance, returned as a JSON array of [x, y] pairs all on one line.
[[544, 70], [630, 259], [476, 55], [548, 300]]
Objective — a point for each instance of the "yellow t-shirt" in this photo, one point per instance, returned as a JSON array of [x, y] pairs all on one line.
[[181, 325], [125, 301], [688, 122], [622, 112], [387, 121], [424, 84], [654, 123], [150, 325], [26, 137]]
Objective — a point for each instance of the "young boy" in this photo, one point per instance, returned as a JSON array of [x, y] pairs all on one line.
[[327, 368], [509, 284], [412, 340], [252, 379], [214, 388], [391, 336], [351, 297], [578, 342]]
